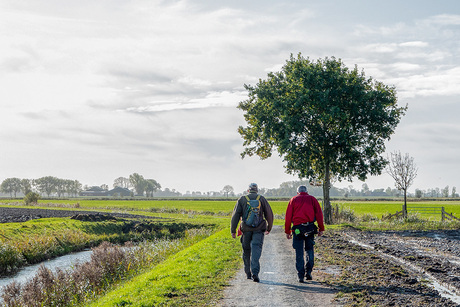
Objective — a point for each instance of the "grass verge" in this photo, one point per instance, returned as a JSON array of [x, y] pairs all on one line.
[[38, 240], [192, 277]]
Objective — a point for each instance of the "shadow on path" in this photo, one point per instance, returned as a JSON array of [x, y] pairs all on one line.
[[278, 284]]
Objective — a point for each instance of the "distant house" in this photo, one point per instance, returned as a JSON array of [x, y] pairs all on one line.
[[119, 191], [94, 191]]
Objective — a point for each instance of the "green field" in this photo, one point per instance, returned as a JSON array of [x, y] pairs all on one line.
[[225, 207]]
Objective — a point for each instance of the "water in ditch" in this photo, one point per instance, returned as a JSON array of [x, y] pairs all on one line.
[[63, 262]]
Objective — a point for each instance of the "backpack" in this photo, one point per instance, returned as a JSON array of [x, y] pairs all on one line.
[[252, 216]]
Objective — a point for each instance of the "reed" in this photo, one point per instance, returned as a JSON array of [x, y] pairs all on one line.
[[109, 264]]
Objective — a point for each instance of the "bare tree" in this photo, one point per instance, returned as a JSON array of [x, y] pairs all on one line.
[[403, 170], [228, 189]]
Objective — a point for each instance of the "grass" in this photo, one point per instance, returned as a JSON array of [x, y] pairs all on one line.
[[109, 264], [196, 275], [225, 207], [38, 240], [192, 277]]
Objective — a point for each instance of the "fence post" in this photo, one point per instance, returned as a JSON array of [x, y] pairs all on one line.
[[442, 214]]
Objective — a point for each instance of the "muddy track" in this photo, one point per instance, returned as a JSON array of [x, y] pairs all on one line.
[[393, 268], [431, 253], [355, 268]]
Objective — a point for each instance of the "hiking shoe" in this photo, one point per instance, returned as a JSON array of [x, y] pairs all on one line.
[[301, 280], [249, 276], [255, 278], [308, 276]]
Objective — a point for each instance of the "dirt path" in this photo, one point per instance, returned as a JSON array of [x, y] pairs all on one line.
[[278, 280]]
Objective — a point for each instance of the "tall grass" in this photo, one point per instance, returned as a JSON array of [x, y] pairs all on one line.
[[38, 240], [109, 264], [10, 259]]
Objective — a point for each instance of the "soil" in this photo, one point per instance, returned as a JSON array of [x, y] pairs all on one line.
[[19, 215], [357, 268]]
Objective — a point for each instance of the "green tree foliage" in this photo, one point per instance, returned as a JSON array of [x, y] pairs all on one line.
[[122, 182], [324, 120], [151, 186], [11, 186], [47, 185], [26, 186], [138, 182], [31, 198]]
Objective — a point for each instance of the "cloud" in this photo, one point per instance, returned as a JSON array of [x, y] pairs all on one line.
[[444, 20], [212, 99], [416, 44], [153, 85]]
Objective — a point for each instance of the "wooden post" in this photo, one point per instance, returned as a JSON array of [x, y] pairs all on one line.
[[442, 214]]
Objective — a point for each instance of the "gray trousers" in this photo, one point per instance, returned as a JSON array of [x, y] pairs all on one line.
[[252, 242]]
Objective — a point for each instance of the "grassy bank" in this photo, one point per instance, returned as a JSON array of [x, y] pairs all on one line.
[[192, 277], [109, 265], [37, 240]]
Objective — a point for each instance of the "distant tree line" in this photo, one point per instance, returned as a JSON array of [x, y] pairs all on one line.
[[53, 186], [45, 185], [289, 189], [141, 185]]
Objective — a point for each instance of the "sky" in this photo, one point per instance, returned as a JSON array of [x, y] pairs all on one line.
[[96, 90]]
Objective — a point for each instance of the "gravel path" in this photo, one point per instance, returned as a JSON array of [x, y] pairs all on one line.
[[278, 280]]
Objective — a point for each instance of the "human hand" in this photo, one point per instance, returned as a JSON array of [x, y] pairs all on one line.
[[289, 236], [233, 235], [267, 232], [320, 233]]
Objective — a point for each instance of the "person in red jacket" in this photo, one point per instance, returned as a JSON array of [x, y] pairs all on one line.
[[302, 212]]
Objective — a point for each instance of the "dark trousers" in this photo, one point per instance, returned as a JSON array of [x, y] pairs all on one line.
[[252, 242], [301, 243]]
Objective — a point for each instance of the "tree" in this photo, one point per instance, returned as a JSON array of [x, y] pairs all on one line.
[[454, 192], [73, 187], [31, 198], [61, 186], [122, 182], [151, 187], [324, 120], [445, 192], [26, 186], [46, 184], [138, 182], [10, 186], [228, 189], [403, 170]]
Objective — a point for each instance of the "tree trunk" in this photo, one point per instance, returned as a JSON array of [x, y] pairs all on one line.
[[327, 209], [405, 204]]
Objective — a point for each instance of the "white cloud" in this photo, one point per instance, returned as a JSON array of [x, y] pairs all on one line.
[[152, 86], [444, 20], [416, 44]]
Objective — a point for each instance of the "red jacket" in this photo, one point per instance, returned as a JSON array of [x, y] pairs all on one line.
[[303, 208]]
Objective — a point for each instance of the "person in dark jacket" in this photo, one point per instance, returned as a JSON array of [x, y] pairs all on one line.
[[302, 212], [252, 238]]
